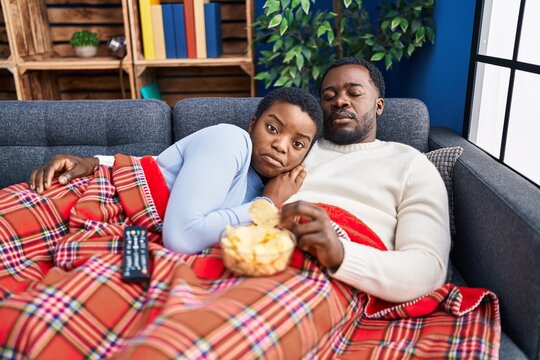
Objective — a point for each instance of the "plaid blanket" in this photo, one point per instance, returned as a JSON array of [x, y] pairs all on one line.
[[62, 294]]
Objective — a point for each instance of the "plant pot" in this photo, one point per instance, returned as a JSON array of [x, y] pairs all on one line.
[[86, 51]]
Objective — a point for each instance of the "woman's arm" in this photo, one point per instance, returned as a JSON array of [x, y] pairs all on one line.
[[212, 162]]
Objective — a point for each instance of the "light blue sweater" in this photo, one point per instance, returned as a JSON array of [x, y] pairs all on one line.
[[211, 185]]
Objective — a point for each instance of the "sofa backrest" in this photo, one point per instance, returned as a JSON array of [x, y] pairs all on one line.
[[31, 132], [403, 120]]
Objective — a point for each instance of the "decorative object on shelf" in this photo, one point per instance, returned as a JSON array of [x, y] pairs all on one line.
[[294, 57], [117, 46], [151, 91], [85, 43]]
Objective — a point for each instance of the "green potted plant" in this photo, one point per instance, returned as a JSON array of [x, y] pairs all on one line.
[[85, 43], [302, 42]]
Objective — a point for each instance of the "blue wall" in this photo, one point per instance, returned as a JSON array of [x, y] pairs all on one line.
[[438, 73]]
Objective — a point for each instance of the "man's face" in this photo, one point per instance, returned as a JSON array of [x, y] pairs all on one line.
[[350, 104]]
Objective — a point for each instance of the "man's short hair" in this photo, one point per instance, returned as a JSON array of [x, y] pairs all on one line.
[[375, 75], [295, 96]]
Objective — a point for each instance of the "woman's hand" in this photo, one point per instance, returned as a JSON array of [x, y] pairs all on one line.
[[65, 167], [315, 236], [283, 186]]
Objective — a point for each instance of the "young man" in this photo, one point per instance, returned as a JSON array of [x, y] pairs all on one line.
[[390, 186]]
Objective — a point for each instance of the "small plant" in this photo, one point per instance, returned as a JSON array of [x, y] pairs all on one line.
[[84, 38]]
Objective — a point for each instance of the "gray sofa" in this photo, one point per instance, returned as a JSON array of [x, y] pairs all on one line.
[[497, 213]]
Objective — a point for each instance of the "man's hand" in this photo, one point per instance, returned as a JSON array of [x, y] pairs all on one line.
[[65, 167], [316, 236], [283, 186]]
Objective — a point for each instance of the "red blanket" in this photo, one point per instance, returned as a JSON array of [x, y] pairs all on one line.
[[62, 295]]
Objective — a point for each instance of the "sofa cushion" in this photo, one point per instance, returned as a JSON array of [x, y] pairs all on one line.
[[403, 120], [31, 132], [444, 160]]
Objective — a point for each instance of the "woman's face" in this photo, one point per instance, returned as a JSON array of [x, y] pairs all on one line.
[[281, 138]]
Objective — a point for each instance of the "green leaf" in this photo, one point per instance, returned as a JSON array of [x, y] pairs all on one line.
[[415, 25], [295, 3], [392, 14], [293, 72], [262, 75], [404, 23], [285, 3], [306, 53], [388, 61], [384, 25], [430, 34], [283, 27], [320, 31], [281, 81], [327, 25], [420, 34], [377, 56], [276, 20], [289, 55], [274, 38], [410, 49], [316, 72], [299, 61], [347, 3], [305, 5], [331, 37], [272, 8], [395, 23], [266, 53], [277, 45]]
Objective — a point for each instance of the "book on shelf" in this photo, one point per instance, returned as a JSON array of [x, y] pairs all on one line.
[[168, 31], [189, 17], [159, 36], [179, 30], [200, 29], [147, 28], [212, 18]]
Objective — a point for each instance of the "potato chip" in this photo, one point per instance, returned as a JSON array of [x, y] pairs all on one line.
[[263, 213]]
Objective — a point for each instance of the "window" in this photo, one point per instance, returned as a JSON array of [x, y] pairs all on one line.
[[503, 106]]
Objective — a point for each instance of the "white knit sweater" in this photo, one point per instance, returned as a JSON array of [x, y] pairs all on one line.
[[399, 194]]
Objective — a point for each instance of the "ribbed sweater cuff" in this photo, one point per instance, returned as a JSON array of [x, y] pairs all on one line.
[[354, 262]]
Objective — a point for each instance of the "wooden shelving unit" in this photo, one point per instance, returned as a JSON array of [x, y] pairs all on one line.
[[8, 89], [230, 75], [38, 62]]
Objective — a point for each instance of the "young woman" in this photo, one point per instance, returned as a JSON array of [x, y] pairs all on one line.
[[215, 173]]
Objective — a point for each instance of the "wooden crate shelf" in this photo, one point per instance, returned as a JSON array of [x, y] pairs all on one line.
[[105, 63], [7, 85], [5, 52], [236, 16], [35, 52], [178, 83], [70, 85]]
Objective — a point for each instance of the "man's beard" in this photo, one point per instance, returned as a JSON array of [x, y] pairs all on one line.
[[345, 136]]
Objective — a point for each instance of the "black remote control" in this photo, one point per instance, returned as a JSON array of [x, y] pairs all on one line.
[[135, 262]]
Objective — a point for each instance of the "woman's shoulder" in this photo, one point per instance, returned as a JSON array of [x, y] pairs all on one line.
[[223, 130]]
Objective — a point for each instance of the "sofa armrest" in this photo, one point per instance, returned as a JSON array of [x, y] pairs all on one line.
[[497, 245]]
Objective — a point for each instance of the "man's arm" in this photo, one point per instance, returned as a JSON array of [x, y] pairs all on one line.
[[65, 167]]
